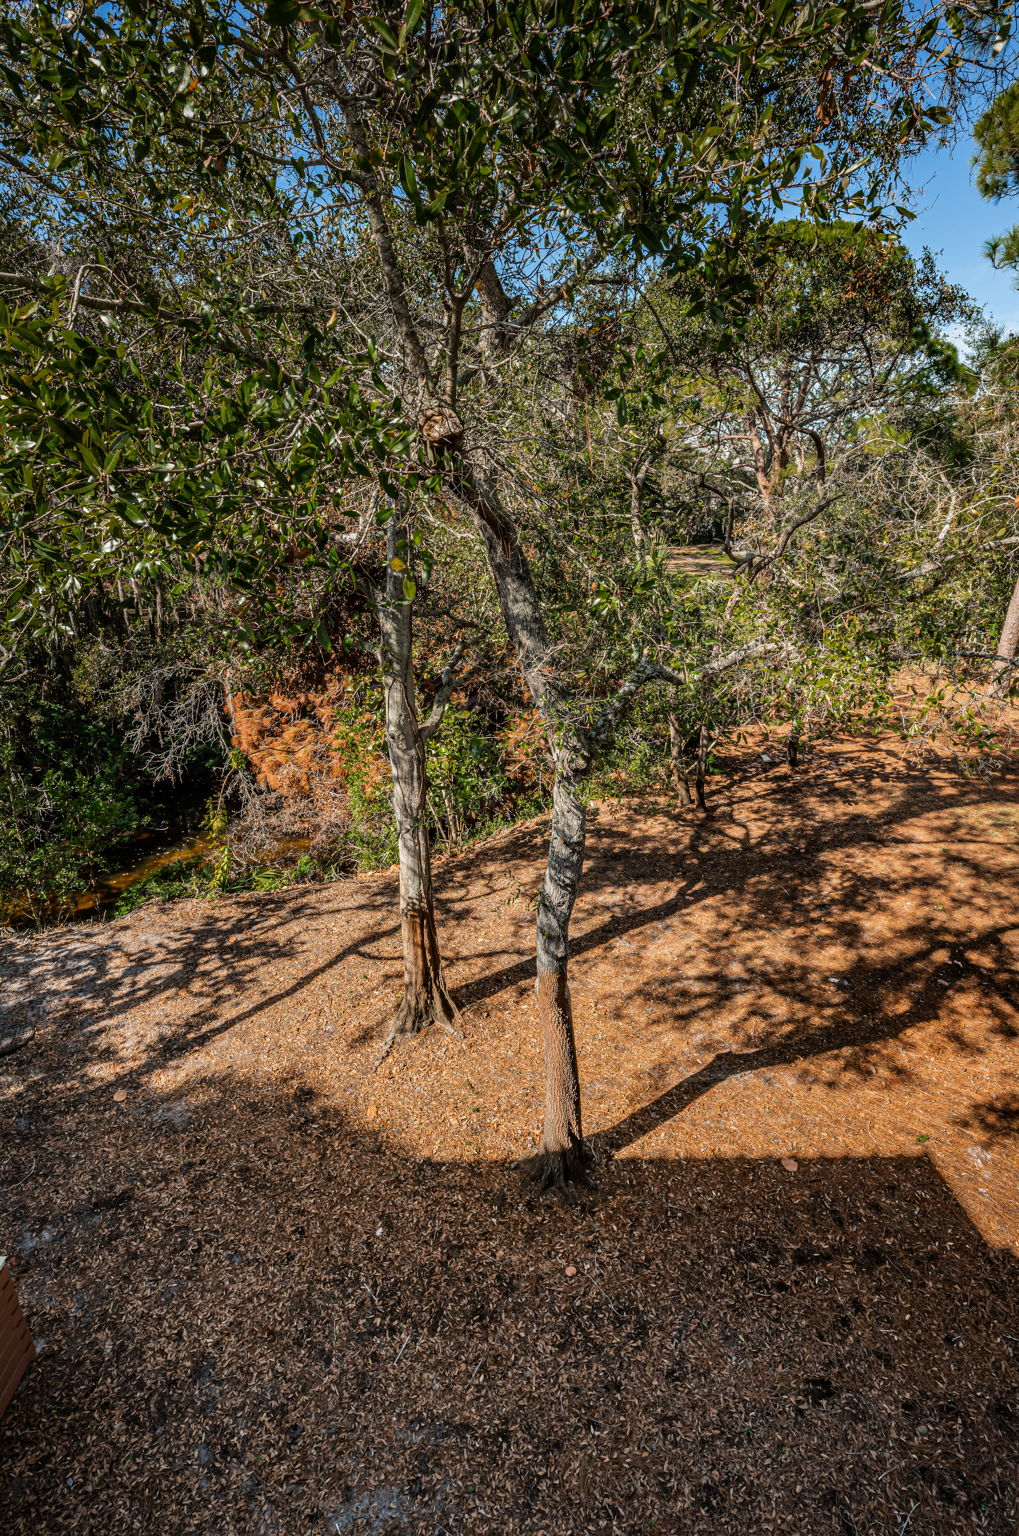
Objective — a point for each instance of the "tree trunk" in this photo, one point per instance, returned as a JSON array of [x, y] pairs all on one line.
[[563, 1157], [495, 311], [702, 766], [562, 1153], [677, 757], [425, 998], [1008, 644], [636, 526]]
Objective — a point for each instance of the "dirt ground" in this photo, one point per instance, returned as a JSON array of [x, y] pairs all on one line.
[[276, 1291]]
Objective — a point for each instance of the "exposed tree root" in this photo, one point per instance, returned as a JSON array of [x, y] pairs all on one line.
[[417, 1013], [560, 1169]]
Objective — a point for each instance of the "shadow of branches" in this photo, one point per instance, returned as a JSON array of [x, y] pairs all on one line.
[[258, 1314]]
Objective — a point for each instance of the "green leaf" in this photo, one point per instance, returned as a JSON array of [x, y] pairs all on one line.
[[410, 21], [408, 180], [283, 13], [385, 32]]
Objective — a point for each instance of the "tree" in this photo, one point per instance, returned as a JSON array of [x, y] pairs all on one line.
[[768, 423], [456, 179], [186, 419], [461, 192], [997, 136], [425, 998]]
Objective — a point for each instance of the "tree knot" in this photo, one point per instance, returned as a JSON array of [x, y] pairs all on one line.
[[440, 426]]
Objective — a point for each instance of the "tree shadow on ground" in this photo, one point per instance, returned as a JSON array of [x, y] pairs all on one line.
[[257, 1318], [195, 975], [194, 965], [857, 1027], [777, 871], [229, 951]]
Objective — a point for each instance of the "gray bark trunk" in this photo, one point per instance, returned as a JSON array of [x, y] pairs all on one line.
[[425, 998], [1008, 644], [562, 1157], [495, 312], [636, 526]]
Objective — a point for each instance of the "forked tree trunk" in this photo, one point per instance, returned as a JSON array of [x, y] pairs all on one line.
[[562, 1154], [425, 997], [1008, 644]]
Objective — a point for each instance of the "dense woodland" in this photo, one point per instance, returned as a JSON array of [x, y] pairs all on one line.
[[503, 406]]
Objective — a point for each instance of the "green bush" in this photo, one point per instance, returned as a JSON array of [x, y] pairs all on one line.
[[74, 795], [359, 739], [471, 792], [185, 877], [61, 827], [468, 779], [198, 876]]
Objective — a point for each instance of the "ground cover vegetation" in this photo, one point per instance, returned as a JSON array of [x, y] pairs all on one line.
[[525, 397]]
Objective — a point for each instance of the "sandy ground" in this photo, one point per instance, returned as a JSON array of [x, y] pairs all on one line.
[[277, 1291]]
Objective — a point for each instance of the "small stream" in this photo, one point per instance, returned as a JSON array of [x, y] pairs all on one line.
[[108, 889], [101, 897]]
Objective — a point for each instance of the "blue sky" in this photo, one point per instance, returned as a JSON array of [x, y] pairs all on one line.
[[954, 221]]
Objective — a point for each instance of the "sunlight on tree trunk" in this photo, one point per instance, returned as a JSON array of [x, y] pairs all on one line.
[[563, 1156], [1008, 644], [425, 999]]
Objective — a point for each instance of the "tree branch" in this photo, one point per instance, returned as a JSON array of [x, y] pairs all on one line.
[[450, 680], [646, 671]]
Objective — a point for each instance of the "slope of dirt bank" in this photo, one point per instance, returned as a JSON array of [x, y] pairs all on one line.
[[278, 1292]]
